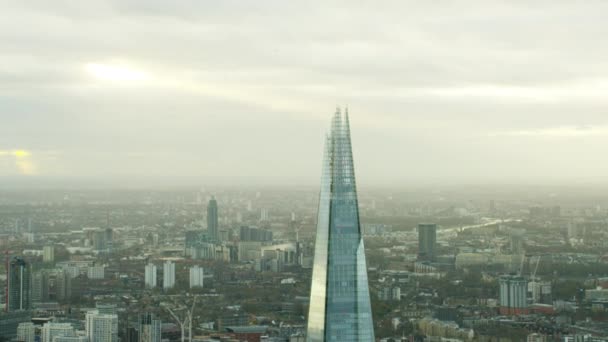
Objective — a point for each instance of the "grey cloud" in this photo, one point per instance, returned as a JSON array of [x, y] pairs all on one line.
[[241, 88]]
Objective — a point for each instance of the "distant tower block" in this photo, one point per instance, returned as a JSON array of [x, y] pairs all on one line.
[[48, 253], [513, 295], [168, 275], [264, 216], [196, 276], [427, 241], [19, 289], [150, 275], [212, 221]]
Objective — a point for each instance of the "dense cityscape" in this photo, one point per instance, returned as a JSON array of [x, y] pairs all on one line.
[[174, 171], [235, 264]]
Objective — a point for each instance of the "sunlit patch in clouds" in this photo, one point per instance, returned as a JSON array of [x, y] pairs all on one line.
[[21, 153], [117, 72], [23, 161], [558, 132]]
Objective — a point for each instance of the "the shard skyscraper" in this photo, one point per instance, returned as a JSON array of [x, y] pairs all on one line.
[[340, 308]]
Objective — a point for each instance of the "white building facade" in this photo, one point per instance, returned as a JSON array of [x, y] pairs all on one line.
[[48, 253], [96, 272], [26, 332], [52, 330], [196, 276], [168, 275], [150, 275], [101, 327]]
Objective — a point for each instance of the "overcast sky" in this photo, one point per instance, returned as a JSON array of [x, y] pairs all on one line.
[[242, 91]]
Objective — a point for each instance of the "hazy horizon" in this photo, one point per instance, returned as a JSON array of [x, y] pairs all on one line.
[[136, 93]]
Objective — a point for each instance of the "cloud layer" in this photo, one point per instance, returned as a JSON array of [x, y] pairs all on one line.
[[232, 91]]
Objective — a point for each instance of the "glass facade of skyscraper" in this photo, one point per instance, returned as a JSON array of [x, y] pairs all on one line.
[[340, 307], [19, 279]]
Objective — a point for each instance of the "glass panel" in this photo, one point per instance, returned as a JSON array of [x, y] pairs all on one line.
[[340, 308]]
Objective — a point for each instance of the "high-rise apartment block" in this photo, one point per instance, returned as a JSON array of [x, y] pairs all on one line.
[[150, 276], [427, 241], [513, 295], [196, 276], [168, 275], [48, 253]]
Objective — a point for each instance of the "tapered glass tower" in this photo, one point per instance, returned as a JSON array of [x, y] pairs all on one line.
[[340, 308]]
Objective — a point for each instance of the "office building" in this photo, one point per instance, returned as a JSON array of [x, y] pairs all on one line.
[[26, 332], [96, 272], [340, 307], [168, 275], [63, 285], [149, 328], [9, 322], [206, 250], [249, 250], [150, 275], [427, 241], [194, 239], [99, 240], [105, 309], [19, 286], [101, 327], [52, 330], [71, 339], [212, 220], [254, 234], [40, 286], [196, 276], [72, 271], [536, 337], [540, 292]]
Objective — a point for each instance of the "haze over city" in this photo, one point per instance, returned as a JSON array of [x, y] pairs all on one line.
[[190, 92], [303, 171]]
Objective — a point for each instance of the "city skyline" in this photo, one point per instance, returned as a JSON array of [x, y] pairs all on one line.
[[159, 171], [196, 92], [452, 279]]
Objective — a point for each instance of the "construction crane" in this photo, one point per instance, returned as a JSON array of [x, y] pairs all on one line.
[[521, 264], [186, 322], [535, 286], [190, 313], [179, 321]]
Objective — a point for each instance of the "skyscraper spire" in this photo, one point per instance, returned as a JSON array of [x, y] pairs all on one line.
[[340, 307]]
